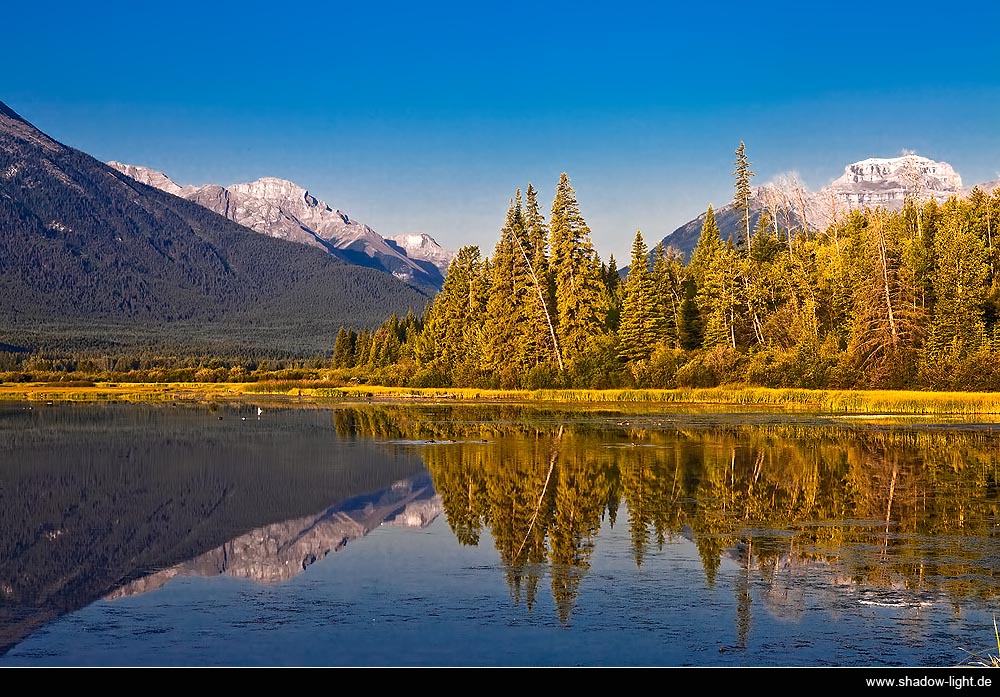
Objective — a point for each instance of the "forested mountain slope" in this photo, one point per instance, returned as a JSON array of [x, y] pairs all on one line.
[[91, 258]]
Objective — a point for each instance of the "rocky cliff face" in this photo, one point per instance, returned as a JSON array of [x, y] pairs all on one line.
[[283, 209], [419, 245], [873, 182], [149, 177], [888, 181]]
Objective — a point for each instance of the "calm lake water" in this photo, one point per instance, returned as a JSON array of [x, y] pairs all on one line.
[[380, 535]]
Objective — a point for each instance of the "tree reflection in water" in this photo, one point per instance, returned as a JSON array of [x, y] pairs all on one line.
[[778, 498]]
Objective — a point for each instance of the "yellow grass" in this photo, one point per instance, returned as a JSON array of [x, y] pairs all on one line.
[[824, 401]]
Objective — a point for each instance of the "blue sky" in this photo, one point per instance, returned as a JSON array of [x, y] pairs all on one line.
[[426, 118]]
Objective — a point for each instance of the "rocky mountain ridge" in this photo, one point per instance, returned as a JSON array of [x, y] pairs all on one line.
[[420, 245], [873, 182], [283, 209]]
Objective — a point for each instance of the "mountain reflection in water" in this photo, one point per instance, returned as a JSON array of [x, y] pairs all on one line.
[[94, 497], [110, 501], [280, 551]]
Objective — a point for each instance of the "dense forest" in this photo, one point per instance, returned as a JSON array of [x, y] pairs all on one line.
[[880, 298]]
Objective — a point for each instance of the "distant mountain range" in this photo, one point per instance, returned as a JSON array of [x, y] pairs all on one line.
[[283, 209], [884, 182], [93, 259]]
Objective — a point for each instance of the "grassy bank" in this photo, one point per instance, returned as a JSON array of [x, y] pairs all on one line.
[[825, 401]]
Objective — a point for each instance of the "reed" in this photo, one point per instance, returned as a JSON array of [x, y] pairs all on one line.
[[897, 402]]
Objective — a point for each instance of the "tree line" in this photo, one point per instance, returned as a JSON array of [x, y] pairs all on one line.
[[878, 299]]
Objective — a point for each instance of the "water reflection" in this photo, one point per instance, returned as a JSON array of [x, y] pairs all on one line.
[[113, 500], [893, 513], [280, 551], [93, 497]]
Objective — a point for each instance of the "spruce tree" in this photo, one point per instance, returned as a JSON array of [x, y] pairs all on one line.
[[719, 297], [690, 333], [743, 191], [543, 309], [709, 242], [668, 282], [581, 297], [642, 325], [505, 339], [612, 282], [455, 313], [958, 327], [537, 232], [342, 349]]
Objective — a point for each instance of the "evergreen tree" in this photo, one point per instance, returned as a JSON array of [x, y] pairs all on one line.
[[743, 191], [958, 327], [343, 351], [542, 305], [612, 278], [537, 233], [581, 297], [503, 327], [709, 242], [668, 284], [690, 332], [612, 282], [642, 324], [713, 267], [454, 316], [719, 297], [756, 276]]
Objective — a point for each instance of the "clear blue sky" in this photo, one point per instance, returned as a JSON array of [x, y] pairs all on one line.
[[427, 116]]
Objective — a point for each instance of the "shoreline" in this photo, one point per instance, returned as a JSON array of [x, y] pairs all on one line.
[[792, 399]]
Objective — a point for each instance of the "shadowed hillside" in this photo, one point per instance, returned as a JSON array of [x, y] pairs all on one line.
[[90, 258]]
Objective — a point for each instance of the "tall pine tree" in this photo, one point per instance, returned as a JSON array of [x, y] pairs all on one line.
[[642, 325], [958, 327], [507, 337], [581, 297], [452, 321], [743, 190], [709, 242], [543, 312]]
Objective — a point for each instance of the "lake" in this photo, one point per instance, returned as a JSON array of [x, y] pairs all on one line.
[[382, 535]]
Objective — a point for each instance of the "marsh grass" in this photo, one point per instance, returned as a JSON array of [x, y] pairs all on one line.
[[866, 402]]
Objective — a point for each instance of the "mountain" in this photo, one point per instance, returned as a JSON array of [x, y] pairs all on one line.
[[421, 246], [90, 258], [283, 209], [873, 182]]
